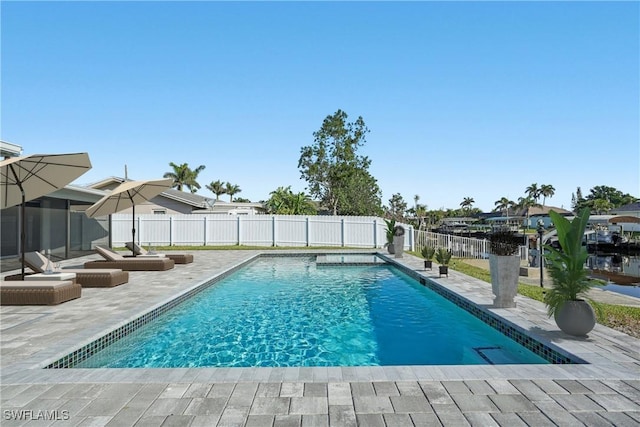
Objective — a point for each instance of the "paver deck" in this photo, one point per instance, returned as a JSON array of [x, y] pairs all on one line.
[[605, 391]]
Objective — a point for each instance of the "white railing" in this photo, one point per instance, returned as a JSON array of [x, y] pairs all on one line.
[[254, 230], [460, 247]]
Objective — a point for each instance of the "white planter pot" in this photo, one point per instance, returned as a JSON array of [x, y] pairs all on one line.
[[505, 271], [576, 318], [398, 243]]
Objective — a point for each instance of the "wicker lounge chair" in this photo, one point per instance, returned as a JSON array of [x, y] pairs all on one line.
[[88, 278], [115, 260], [177, 258], [38, 293]]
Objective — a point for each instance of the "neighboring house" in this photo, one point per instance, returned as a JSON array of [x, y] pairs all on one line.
[[54, 222], [541, 213], [166, 203], [234, 208], [172, 202], [8, 149], [512, 223], [632, 209]]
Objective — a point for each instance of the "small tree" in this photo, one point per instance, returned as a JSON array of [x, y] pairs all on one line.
[[397, 207], [333, 169]]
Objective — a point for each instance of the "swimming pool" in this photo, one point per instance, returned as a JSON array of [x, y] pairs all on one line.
[[291, 311]]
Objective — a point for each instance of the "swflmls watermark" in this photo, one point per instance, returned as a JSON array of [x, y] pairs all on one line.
[[30, 414]]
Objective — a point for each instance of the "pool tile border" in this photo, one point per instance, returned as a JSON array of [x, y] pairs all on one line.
[[554, 356], [502, 325], [88, 350]]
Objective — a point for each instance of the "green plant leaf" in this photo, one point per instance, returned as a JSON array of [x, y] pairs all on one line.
[[566, 265]]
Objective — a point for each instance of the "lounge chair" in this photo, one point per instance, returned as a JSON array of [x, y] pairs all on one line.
[[38, 293], [177, 258], [112, 259], [88, 278]]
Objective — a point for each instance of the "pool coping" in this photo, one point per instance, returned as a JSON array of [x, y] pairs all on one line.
[[548, 351], [609, 354]]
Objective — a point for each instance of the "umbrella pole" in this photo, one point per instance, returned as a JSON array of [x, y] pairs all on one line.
[[133, 231], [22, 232]]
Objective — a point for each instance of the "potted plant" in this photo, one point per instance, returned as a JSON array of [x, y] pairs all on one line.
[[504, 266], [391, 224], [427, 253], [567, 300], [398, 240], [443, 256]]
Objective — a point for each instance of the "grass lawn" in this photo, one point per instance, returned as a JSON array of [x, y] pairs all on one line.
[[619, 317]]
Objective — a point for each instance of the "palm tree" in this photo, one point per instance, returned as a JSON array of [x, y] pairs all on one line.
[[467, 203], [301, 204], [183, 176], [546, 190], [284, 202], [533, 192], [232, 189], [421, 213], [504, 205], [217, 188], [525, 203], [277, 203]]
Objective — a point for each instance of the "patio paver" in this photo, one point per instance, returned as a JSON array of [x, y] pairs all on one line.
[[605, 391]]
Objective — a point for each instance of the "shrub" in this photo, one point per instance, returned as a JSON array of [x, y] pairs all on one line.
[[504, 243], [443, 256], [428, 252]]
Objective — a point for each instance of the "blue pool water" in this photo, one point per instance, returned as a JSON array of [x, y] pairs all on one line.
[[284, 311]]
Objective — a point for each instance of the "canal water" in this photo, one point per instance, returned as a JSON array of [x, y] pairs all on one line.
[[619, 263]]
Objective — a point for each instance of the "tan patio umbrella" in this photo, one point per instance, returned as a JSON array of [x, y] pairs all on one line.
[[29, 177], [625, 219], [128, 195]]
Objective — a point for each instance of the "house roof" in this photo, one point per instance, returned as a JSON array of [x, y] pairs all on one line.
[[105, 182], [8, 149], [544, 210], [191, 199], [497, 213], [77, 193], [630, 207]]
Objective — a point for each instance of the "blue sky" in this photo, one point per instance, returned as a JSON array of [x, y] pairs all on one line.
[[462, 99]]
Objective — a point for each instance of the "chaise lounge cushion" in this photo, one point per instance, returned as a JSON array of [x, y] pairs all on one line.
[[177, 258], [88, 278], [115, 260], [38, 293]]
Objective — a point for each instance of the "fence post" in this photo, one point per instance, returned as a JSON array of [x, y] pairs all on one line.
[[238, 219], [411, 245], [375, 233], [342, 232], [307, 232], [273, 231], [205, 230], [170, 231]]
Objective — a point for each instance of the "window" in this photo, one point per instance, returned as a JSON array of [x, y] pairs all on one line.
[[159, 211]]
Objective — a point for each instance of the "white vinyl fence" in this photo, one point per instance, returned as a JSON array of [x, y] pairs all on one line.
[[283, 230], [253, 230], [460, 247]]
